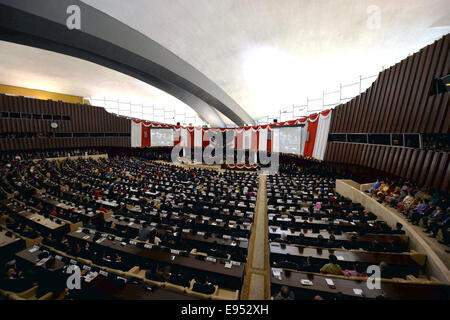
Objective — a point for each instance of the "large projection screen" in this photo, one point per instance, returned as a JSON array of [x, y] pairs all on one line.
[[161, 137], [289, 139]]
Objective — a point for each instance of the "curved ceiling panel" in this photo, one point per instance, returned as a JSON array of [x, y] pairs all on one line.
[[108, 42], [271, 54], [34, 68]]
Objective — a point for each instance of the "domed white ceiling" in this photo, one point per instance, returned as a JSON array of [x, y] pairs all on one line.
[[267, 54]]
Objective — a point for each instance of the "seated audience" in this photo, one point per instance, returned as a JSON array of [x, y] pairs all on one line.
[[202, 285], [358, 271], [332, 267], [285, 294]]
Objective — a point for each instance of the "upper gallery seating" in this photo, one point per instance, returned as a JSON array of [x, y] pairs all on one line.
[[420, 204]]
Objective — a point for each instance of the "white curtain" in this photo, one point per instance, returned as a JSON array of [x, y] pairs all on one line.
[[185, 140], [263, 139], [198, 137], [247, 139], [239, 134], [275, 140], [231, 143], [322, 136], [136, 134]]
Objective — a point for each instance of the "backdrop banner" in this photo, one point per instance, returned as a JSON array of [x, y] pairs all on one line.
[[314, 135]]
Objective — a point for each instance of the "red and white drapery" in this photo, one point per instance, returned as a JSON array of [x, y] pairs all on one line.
[[258, 138], [140, 134], [321, 138]]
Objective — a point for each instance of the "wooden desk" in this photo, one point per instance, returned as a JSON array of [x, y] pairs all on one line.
[[109, 204], [185, 234], [243, 244], [30, 255], [212, 224], [9, 245], [102, 287], [84, 215], [38, 221], [318, 215], [390, 290], [275, 232], [300, 222], [403, 263], [233, 275], [105, 288], [394, 259]]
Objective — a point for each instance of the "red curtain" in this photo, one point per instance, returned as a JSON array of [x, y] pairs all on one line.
[[206, 137], [192, 143], [239, 140], [312, 130], [255, 141], [145, 142]]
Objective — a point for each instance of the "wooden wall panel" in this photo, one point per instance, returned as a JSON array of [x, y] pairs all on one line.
[[387, 85], [352, 118], [432, 105], [83, 118], [367, 154], [410, 171], [445, 161], [373, 106], [400, 97], [407, 162], [384, 161], [431, 177], [418, 165], [366, 98], [426, 164], [399, 101]]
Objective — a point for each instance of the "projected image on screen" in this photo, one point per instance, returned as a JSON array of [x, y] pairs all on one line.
[[289, 139], [161, 137]]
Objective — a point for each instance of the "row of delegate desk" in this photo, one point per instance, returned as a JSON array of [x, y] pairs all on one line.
[[312, 222], [189, 262], [189, 201], [37, 221], [102, 284], [85, 215], [229, 277], [208, 224], [217, 223], [233, 275], [292, 234], [246, 203], [303, 212], [353, 289], [303, 198], [403, 262], [329, 286], [186, 234], [9, 244], [201, 241], [243, 202]]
